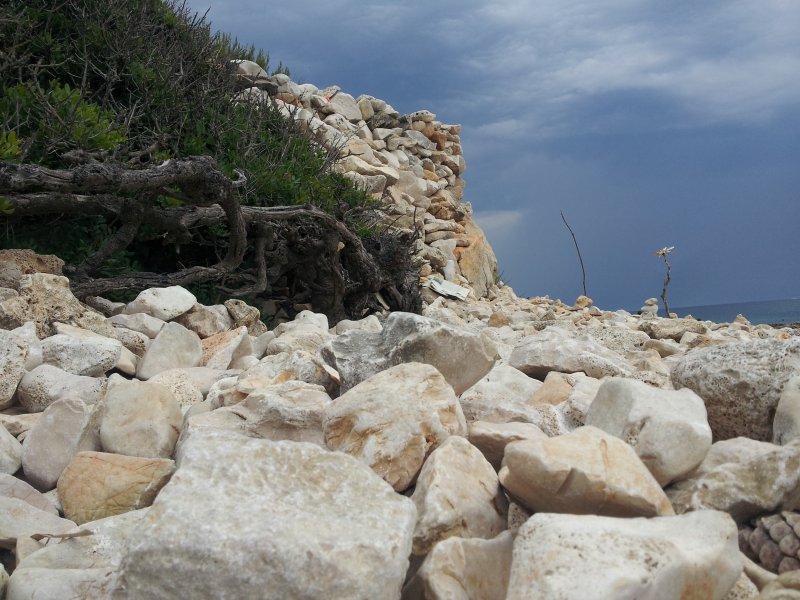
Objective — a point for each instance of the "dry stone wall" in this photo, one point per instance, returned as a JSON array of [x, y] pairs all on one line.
[[413, 161]]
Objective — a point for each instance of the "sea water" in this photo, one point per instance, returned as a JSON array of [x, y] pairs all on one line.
[[774, 312]]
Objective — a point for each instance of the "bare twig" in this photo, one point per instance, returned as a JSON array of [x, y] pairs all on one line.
[[578, 250], [663, 254]]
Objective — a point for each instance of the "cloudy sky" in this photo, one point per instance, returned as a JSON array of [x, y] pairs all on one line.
[[648, 123]]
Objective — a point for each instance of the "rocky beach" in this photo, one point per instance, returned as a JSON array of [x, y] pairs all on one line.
[[492, 447]]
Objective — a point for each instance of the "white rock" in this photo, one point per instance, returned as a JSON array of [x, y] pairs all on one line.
[[67, 427], [276, 521], [174, 347], [457, 494], [298, 335], [20, 519], [740, 383], [464, 569], [180, 383], [405, 338], [370, 324], [140, 419], [140, 322], [359, 165], [299, 365], [618, 339], [668, 429], [583, 472], [288, 411], [13, 487], [220, 349], [13, 352], [394, 419], [492, 438], [162, 303], [504, 394], [569, 557], [206, 321], [45, 299], [26, 334], [17, 423], [91, 356], [765, 483], [786, 425], [345, 105], [39, 388], [10, 453], [555, 349], [79, 567]]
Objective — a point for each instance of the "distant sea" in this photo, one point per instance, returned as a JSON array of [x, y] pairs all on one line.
[[774, 312]]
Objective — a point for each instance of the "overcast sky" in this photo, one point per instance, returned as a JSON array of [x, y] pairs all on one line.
[[648, 123]]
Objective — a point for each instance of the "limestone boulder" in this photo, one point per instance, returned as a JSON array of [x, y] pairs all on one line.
[[10, 453], [344, 104], [740, 383], [569, 557], [584, 472], [140, 419], [394, 420], [556, 349], [293, 411], [786, 424], [13, 353], [19, 519], [270, 520], [89, 356], [734, 450], [162, 303], [206, 321], [556, 388], [175, 347], [276, 369], [369, 324], [17, 262], [405, 338], [492, 438], [244, 315], [143, 323], [464, 569], [476, 260], [84, 566], [39, 388], [298, 335], [96, 485], [16, 422], [764, 483], [220, 349], [46, 299], [13, 487], [668, 429], [457, 494], [671, 329], [26, 335], [66, 427], [182, 385], [504, 394], [126, 360]]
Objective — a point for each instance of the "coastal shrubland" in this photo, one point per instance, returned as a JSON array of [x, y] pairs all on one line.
[[126, 153]]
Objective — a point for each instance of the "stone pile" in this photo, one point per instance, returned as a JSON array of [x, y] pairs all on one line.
[[412, 161], [486, 449]]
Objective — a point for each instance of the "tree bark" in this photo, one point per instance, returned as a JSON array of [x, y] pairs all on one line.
[[128, 196]]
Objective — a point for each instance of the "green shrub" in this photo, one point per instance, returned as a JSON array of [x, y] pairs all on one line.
[[137, 82]]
